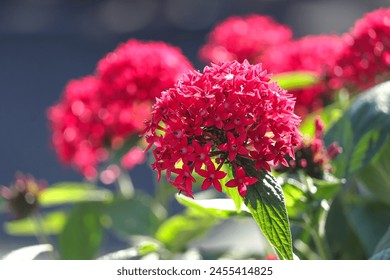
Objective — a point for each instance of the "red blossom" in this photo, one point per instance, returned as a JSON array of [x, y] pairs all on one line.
[[98, 113], [212, 176], [315, 53], [365, 60], [256, 120], [239, 38], [241, 181]]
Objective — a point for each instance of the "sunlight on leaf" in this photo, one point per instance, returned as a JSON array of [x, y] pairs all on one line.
[[53, 224], [72, 192], [295, 80], [219, 207]]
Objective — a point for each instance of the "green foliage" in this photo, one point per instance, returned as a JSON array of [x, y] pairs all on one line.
[[265, 200], [83, 232], [178, 231], [134, 216], [355, 225], [376, 176], [72, 192], [362, 131], [52, 223], [231, 192], [296, 80], [369, 219], [384, 243]]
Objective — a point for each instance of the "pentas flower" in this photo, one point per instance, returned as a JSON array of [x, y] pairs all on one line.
[[228, 114], [315, 53], [78, 126], [239, 38], [98, 113], [140, 71], [312, 156], [365, 60]]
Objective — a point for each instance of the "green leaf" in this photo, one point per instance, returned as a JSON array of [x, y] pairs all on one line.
[[342, 240], [72, 192], [53, 223], [296, 80], [382, 255], [295, 199], [28, 253], [231, 192], [83, 232], [369, 218], [362, 131], [265, 200], [328, 188], [376, 176], [134, 216], [384, 243], [220, 207], [179, 230]]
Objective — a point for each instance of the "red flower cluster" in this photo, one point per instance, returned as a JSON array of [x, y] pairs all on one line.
[[365, 60], [229, 112], [239, 38], [97, 113], [311, 53], [312, 156]]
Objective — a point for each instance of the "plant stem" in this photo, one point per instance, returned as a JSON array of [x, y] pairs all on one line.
[[125, 184], [41, 234], [318, 240]]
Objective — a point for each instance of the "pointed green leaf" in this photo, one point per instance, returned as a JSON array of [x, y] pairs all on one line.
[[265, 200], [296, 80], [53, 223], [362, 131], [83, 232], [72, 192]]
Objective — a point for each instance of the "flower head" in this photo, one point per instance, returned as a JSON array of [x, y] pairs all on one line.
[[22, 195], [98, 113], [229, 112], [140, 71], [78, 126], [365, 59], [316, 53], [239, 38]]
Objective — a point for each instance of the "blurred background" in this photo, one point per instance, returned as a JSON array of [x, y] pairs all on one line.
[[45, 43]]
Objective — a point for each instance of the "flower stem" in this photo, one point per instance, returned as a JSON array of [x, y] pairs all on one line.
[[125, 185], [41, 234]]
